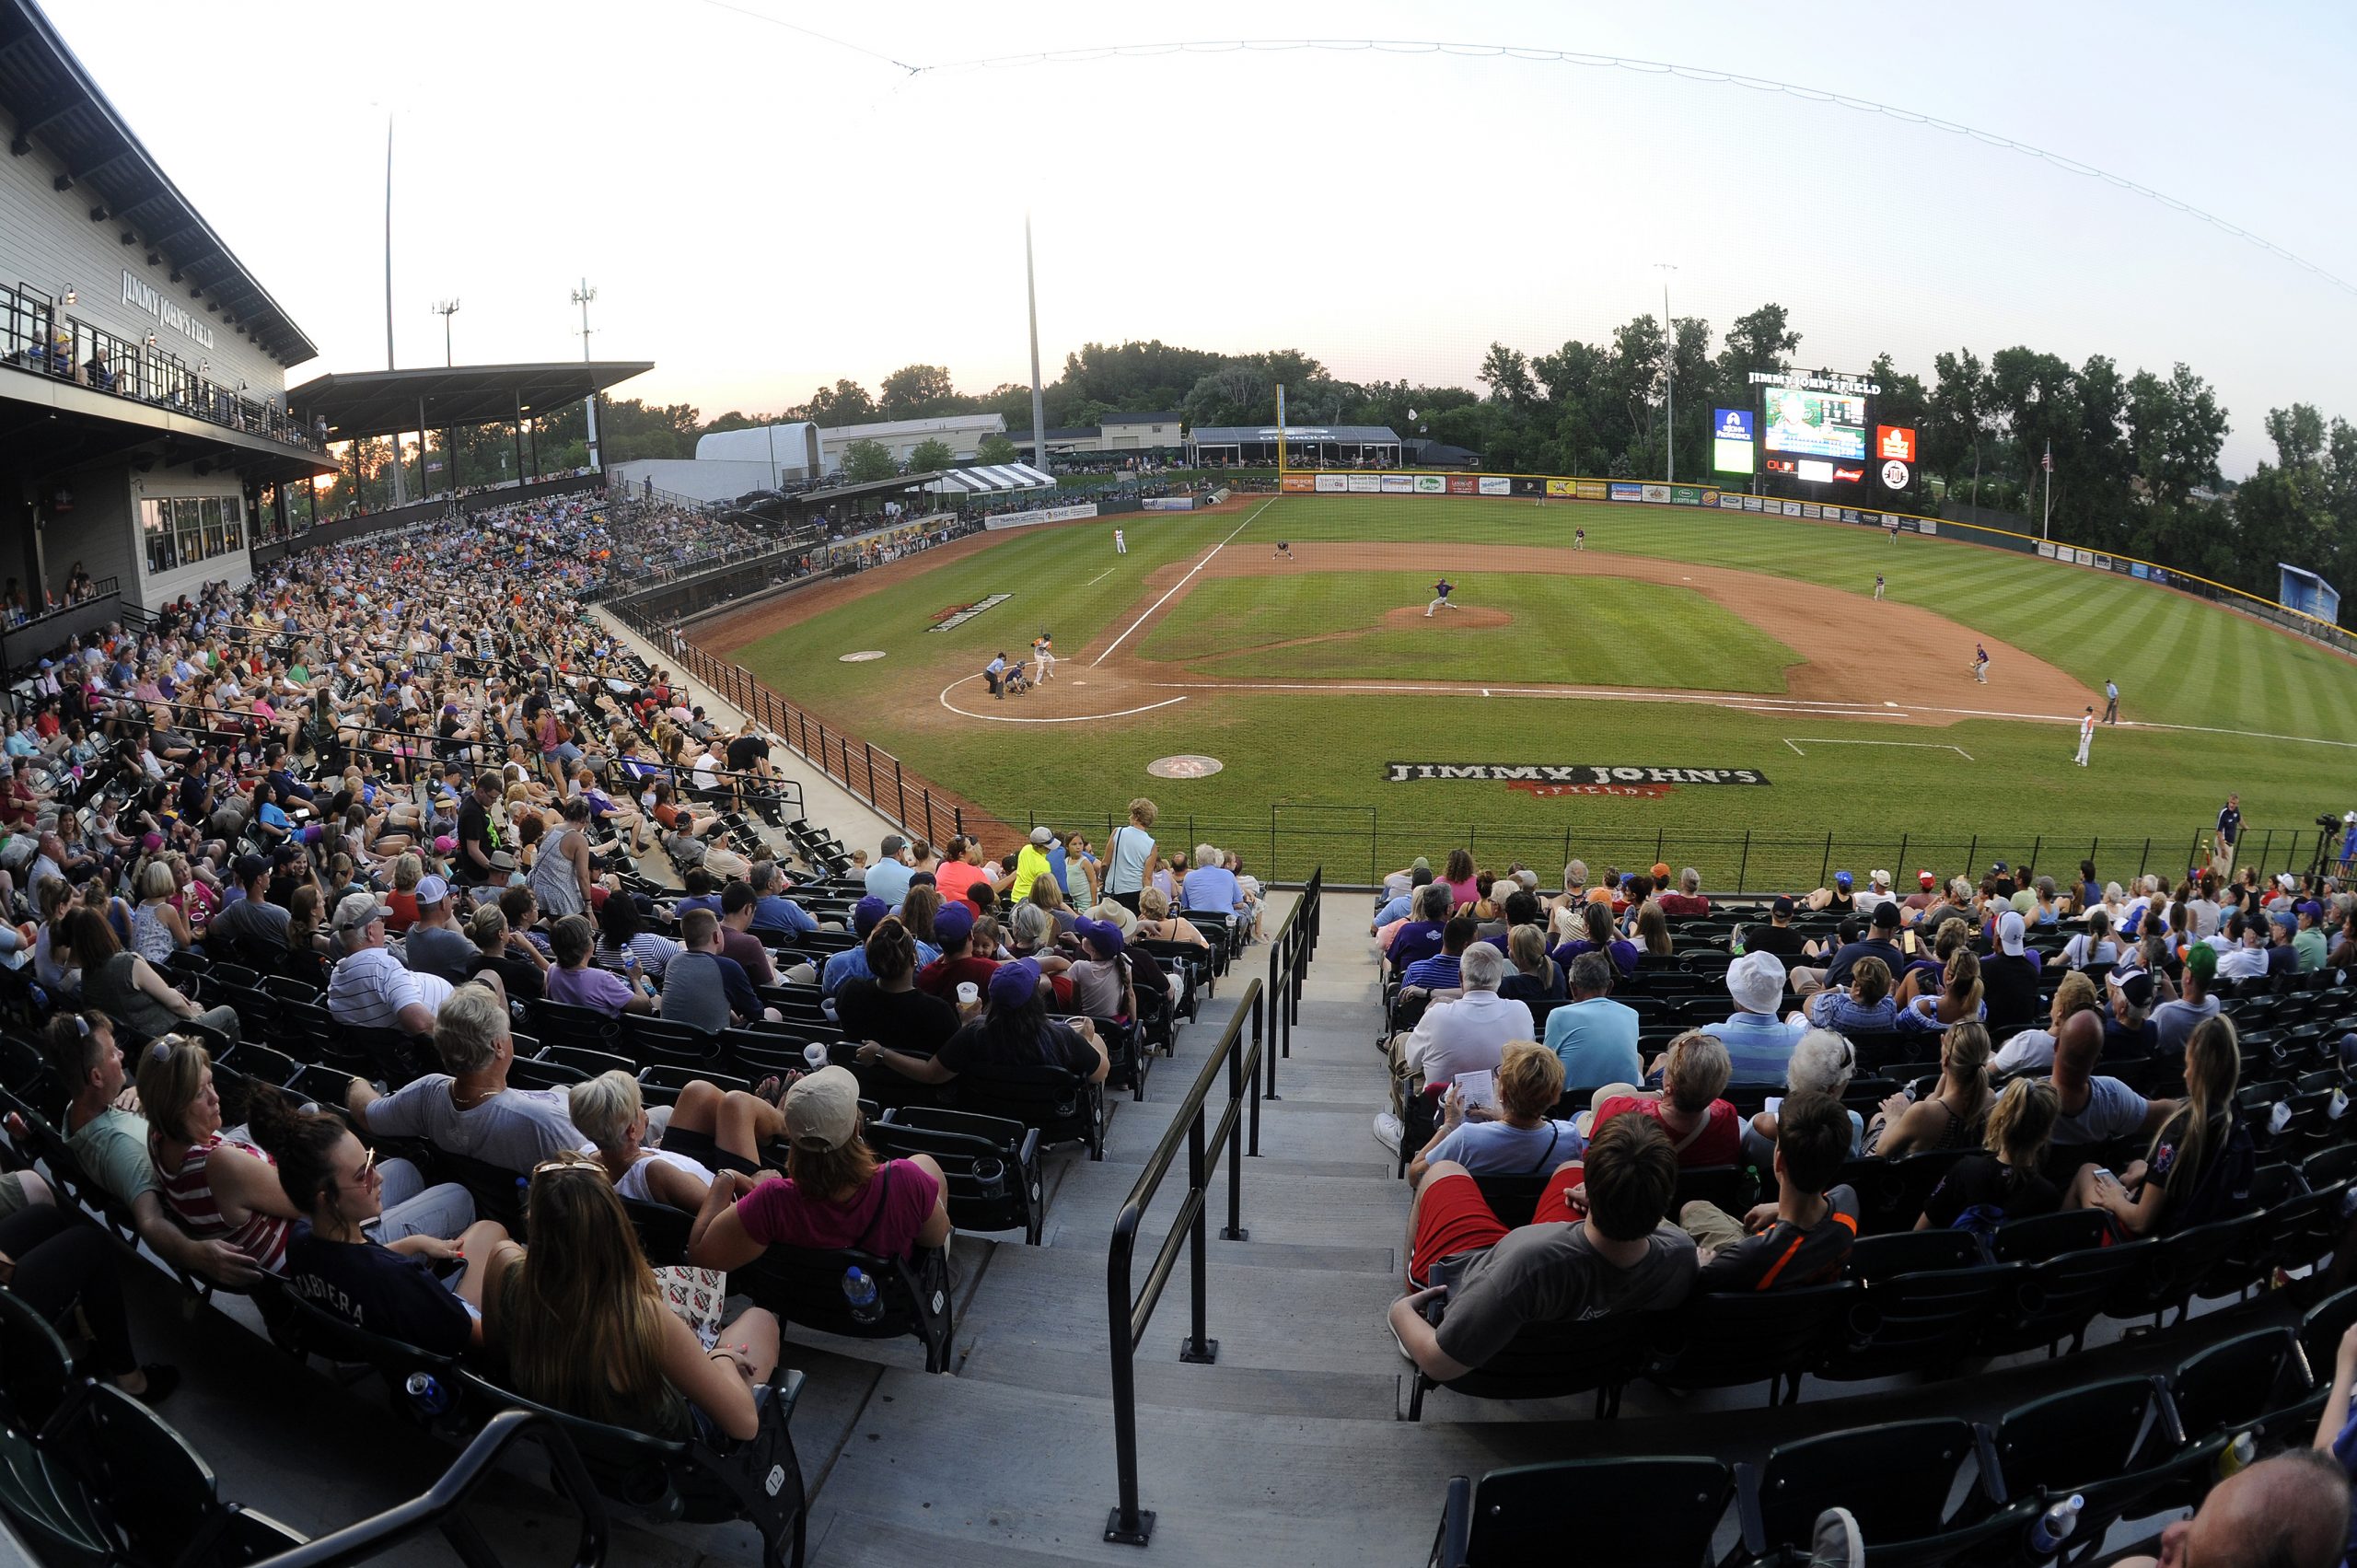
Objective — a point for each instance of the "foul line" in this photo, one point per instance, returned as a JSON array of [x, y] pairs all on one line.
[[1099, 577], [1181, 583], [1917, 745], [1010, 718]]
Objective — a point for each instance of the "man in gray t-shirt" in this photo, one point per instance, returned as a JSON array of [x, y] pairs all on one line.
[[253, 916], [2096, 1110], [433, 945], [1605, 1253], [513, 1129]]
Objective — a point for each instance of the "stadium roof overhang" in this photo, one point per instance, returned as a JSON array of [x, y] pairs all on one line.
[[998, 479], [49, 426], [386, 403], [53, 102]]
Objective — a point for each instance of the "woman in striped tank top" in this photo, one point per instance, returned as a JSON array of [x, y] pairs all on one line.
[[215, 1187]]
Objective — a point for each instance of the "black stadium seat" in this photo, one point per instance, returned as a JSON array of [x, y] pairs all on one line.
[[1626, 1514]]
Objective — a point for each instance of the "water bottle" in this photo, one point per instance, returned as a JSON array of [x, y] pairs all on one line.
[[2054, 1527], [2279, 1118], [814, 1053], [2340, 1106], [2237, 1454], [425, 1392], [860, 1295]]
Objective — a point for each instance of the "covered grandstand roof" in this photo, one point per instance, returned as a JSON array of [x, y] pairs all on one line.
[[52, 100], [997, 480], [1257, 435], [383, 402]]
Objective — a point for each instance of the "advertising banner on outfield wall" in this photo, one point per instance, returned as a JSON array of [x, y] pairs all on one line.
[[1625, 491], [1333, 483], [1563, 487], [1528, 486], [1364, 484], [1431, 483], [1594, 488], [1299, 481], [2046, 547], [1462, 484], [1044, 514], [1792, 508], [1168, 504], [1811, 509], [1686, 495], [1753, 503], [1494, 484], [1397, 483], [1656, 494]]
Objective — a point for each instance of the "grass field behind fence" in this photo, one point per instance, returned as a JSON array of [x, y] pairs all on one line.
[[1290, 757]]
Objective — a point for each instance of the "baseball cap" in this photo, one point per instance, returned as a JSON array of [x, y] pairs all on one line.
[[1015, 984], [1886, 915], [432, 889], [1103, 933], [822, 1110], [1841, 879], [1998, 865], [954, 922], [2009, 933], [2286, 882], [2312, 909], [1879, 878], [357, 909], [2201, 961], [1043, 836], [2138, 989], [249, 866], [894, 843], [1782, 906], [1661, 872], [446, 844], [1756, 980], [1421, 864], [866, 914], [2286, 919], [1927, 879]]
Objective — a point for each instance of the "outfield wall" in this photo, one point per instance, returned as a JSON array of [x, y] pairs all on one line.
[[1638, 492]]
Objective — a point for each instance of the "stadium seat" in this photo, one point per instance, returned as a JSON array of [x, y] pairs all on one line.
[[305, 1329], [1064, 1107], [1730, 1340], [1896, 1478], [1624, 1513], [1547, 1361], [2116, 1443], [805, 1287], [1919, 1320], [992, 1165]]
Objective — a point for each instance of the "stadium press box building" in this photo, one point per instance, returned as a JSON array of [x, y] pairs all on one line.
[[144, 419]]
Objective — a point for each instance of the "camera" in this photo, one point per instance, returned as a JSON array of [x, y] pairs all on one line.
[[2326, 820]]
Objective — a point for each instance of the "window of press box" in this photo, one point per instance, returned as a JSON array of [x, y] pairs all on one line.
[[184, 530]]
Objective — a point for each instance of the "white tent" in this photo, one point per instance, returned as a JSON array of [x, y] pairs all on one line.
[[998, 480]]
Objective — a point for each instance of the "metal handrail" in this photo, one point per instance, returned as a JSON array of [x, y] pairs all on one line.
[[1289, 954], [435, 1506], [1128, 1314]]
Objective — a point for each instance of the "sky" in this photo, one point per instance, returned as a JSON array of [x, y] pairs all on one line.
[[763, 212]]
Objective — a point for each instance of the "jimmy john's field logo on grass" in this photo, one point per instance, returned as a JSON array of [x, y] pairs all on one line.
[[1571, 778]]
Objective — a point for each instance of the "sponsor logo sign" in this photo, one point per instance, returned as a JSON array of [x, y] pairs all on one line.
[[1848, 475], [1656, 494], [2138, 569], [2046, 548], [1332, 484], [1731, 440], [1299, 481], [1752, 504], [1849, 514], [2102, 562], [1167, 503], [1044, 514], [1792, 508], [1494, 484], [1926, 525], [1896, 442], [1686, 495], [1431, 483], [959, 614], [1362, 483], [1816, 470], [1462, 484], [1811, 509], [1894, 475], [1566, 778], [1396, 483], [1625, 491], [1562, 487], [1594, 488]]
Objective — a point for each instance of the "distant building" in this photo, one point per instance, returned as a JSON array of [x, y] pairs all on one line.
[[963, 433], [1306, 446], [786, 452], [1136, 432]]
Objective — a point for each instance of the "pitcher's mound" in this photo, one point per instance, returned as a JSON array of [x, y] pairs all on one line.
[[1471, 617]]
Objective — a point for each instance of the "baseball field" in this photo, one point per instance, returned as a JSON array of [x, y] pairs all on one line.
[[1690, 686]]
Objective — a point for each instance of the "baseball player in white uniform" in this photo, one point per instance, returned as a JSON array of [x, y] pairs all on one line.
[[2086, 735], [1120, 544]]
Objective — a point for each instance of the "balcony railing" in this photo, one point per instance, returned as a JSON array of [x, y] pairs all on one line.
[[35, 335]]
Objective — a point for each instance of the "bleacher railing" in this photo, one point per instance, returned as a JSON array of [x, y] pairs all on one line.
[[1130, 1312], [1363, 844], [1290, 951], [870, 773]]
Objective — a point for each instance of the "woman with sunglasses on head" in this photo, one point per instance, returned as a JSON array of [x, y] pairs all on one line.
[[581, 1322], [418, 1289]]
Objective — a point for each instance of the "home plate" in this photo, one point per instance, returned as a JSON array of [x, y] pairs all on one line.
[[863, 655]]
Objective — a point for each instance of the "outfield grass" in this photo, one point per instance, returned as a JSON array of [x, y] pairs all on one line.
[[1596, 631], [1293, 760]]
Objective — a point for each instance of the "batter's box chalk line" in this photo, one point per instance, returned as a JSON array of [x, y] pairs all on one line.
[[1794, 741]]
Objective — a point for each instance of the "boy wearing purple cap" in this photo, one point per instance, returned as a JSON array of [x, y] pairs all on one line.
[[953, 929]]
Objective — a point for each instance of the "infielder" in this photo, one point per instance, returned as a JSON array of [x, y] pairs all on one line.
[[1981, 664], [1121, 545], [2086, 733], [1285, 548], [1579, 539], [1877, 585], [1441, 590]]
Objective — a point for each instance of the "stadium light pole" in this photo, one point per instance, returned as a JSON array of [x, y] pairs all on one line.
[[582, 296], [399, 487], [1668, 373], [1039, 398], [446, 308]]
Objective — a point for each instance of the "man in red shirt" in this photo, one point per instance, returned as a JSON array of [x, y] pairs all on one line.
[[953, 928], [1688, 899], [1703, 1129]]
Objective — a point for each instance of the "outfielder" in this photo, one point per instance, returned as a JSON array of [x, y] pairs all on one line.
[[1579, 539], [1877, 585], [1121, 545], [2087, 735], [1441, 590]]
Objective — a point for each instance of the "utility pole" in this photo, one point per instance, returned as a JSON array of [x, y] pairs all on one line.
[[400, 486], [1038, 401], [1668, 373], [446, 310], [582, 296]]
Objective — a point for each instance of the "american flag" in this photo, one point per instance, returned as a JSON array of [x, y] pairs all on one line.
[[2049, 460]]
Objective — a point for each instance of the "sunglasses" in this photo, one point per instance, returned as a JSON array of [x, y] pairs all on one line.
[[368, 1174]]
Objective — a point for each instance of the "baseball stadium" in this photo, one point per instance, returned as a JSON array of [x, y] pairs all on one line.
[[1212, 907]]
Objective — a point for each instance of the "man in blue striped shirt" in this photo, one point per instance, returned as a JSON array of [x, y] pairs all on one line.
[[1759, 1043]]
